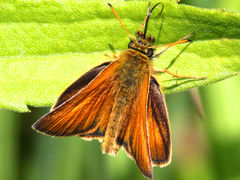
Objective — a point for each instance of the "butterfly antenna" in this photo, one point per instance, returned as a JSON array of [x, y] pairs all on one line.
[[115, 13], [148, 15], [144, 22]]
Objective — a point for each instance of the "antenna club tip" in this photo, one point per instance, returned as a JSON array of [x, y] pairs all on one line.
[[109, 4]]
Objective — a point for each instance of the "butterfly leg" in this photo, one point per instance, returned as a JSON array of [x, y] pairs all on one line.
[[112, 57], [180, 41], [177, 75]]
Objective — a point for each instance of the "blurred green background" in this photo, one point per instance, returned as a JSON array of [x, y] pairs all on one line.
[[206, 149]]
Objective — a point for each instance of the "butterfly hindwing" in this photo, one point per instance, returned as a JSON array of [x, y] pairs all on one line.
[[157, 134], [158, 126], [75, 116]]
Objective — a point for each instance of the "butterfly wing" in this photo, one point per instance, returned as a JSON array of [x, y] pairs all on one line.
[[80, 83], [158, 126], [153, 133], [76, 115], [133, 136]]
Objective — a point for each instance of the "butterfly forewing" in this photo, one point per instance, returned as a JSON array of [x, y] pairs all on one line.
[[75, 116], [158, 126]]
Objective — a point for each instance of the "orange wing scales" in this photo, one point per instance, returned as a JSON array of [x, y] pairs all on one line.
[[76, 116]]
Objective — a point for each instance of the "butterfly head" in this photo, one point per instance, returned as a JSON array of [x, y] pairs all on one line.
[[142, 43]]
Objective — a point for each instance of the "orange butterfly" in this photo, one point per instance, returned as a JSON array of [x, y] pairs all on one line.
[[120, 104]]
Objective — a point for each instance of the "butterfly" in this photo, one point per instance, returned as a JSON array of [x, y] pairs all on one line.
[[119, 103]]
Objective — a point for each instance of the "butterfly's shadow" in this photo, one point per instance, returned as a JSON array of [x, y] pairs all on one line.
[[177, 84], [178, 55], [111, 48], [182, 80], [174, 60]]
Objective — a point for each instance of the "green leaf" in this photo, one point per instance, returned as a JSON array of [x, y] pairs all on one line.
[[46, 45]]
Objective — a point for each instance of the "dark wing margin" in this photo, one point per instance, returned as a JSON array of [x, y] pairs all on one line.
[[158, 126], [80, 83]]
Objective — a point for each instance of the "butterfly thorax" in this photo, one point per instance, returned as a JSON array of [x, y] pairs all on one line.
[[142, 44]]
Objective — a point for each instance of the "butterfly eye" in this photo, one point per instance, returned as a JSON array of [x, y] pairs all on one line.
[[130, 45], [150, 52]]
